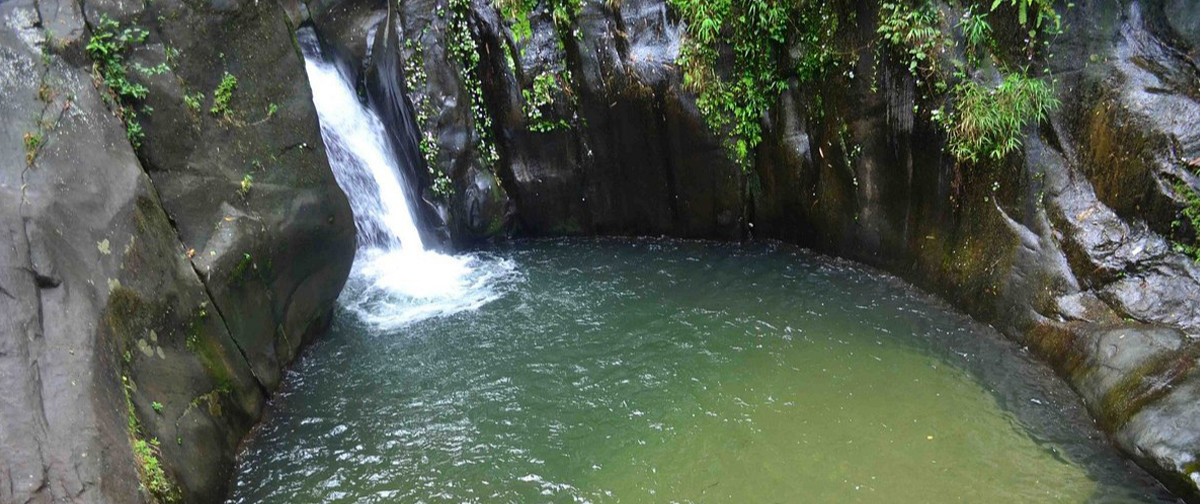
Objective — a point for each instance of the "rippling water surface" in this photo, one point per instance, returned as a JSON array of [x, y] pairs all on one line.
[[649, 371]]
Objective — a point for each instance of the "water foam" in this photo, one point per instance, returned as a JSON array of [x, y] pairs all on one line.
[[395, 280], [392, 288]]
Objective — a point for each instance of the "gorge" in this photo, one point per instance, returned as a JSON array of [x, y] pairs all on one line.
[[177, 235]]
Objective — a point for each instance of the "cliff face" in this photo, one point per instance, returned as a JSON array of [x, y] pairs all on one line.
[[1066, 245], [168, 250], [158, 269]]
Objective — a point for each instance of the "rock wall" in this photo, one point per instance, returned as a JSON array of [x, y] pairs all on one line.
[[1064, 246], [149, 297]]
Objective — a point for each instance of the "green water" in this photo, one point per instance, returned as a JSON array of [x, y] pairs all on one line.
[[679, 372]]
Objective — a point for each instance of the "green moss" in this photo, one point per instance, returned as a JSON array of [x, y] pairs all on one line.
[[1144, 385], [211, 400], [127, 314], [1193, 466], [209, 350], [496, 226], [195, 329], [1062, 347], [569, 227]]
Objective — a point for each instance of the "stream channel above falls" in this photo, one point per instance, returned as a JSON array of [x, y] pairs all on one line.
[[668, 371]]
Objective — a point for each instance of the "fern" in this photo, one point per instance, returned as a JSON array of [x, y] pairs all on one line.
[[988, 123]]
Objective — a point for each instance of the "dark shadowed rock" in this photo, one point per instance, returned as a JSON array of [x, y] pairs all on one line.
[[153, 300]]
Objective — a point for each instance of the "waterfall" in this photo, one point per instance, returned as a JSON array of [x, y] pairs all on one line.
[[362, 160], [396, 279]]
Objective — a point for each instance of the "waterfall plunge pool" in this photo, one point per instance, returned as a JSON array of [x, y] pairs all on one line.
[[663, 371]]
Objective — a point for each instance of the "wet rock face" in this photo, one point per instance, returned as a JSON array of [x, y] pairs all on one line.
[[637, 157], [623, 160], [1065, 246], [157, 292], [152, 296]]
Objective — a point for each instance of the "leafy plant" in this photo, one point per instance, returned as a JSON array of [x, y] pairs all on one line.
[[1190, 214], [915, 32], [194, 101], [516, 12], [463, 49], [540, 96], [46, 93], [107, 48], [246, 185], [33, 144], [222, 95], [563, 12], [133, 130], [984, 122], [158, 69], [542, 92], [157, 406], [146, 452], [978, 34], [1042, 11], [758, 34], [989, 122], [416, 81]]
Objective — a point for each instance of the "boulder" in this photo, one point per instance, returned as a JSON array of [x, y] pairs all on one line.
[[149, 300]]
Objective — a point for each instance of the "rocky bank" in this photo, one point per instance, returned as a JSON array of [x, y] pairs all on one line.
[[149, 298], [1067, 246], [153, 288]]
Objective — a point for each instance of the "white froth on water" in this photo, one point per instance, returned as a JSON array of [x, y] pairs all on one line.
[[396, 280], [389, 289]]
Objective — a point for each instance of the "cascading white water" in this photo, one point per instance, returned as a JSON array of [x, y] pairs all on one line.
[[395, 279], [357, 144]]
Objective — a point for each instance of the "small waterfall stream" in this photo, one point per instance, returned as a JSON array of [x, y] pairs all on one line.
[[396, 278]]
